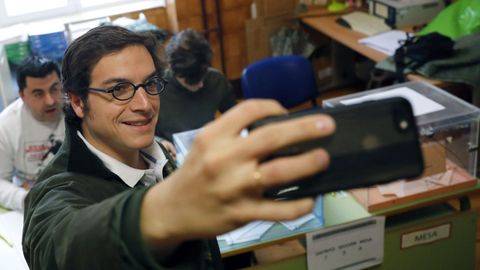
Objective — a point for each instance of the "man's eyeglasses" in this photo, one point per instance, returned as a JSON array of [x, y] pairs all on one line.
[[126, 90]]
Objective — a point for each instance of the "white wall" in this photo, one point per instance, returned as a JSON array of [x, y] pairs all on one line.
[[7, 91]]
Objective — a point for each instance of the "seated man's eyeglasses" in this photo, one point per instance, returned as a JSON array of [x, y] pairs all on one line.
[[126, 90]]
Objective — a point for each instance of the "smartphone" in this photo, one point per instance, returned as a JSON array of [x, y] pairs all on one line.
[[375, 142]]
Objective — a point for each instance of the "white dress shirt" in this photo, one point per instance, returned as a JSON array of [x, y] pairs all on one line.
[[153, 155]]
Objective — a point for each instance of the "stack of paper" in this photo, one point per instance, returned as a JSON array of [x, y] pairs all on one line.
[[297, 223], [251, 231], [386, 42], [183, 142], [420, 104], [255, 230]]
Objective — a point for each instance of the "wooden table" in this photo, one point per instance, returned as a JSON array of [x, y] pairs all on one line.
[[326, 24]]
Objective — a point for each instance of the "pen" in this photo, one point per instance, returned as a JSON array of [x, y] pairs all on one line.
[[9, 243]]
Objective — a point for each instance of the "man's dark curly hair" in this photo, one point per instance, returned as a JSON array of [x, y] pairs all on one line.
[[189, 55], [86, 51]]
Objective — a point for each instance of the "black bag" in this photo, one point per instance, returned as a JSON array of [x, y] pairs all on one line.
[[416, 51]]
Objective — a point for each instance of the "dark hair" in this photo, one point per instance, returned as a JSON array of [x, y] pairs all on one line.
[[86, 51], [37, 67], [189, 55]]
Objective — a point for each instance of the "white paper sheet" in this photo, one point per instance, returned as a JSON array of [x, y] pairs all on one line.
[[442, 179], [256, 229], [297, 223], [11, 226], [356, 245], [404, 188], [252, 231], [183, 142], [415, 187], [393, 188], [420, 104], [386, 42]]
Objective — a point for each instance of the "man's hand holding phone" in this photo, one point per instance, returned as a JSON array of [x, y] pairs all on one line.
[[221, 183], [375, 142]]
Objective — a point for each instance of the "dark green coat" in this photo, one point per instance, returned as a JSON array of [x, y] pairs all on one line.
[[82, 216]]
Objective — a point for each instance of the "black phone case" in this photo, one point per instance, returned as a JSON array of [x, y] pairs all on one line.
[[375, 142]]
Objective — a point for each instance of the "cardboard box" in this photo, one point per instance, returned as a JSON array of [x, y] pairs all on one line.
[[434, 158], [258, 36]]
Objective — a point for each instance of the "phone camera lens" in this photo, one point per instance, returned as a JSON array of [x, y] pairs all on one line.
[[403, 124]]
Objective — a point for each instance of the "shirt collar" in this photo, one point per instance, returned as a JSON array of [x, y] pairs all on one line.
[[152, 154]]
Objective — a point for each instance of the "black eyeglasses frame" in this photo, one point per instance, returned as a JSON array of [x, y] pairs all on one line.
[[111, 90]]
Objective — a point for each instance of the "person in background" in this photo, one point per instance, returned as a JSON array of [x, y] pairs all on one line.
[[111, 199], [195, 91], [31, 129]]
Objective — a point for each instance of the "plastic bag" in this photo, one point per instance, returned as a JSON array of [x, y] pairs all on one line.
[[291, 41], [457, 20]]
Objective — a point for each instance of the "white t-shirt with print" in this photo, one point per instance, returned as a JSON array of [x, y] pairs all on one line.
[[24, 143]]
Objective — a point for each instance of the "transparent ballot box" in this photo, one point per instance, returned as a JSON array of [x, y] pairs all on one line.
[[448, 132]]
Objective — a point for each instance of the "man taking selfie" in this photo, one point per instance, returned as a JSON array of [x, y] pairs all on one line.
[[111, 199]]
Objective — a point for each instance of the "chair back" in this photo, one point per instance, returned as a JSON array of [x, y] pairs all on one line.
[[288, 79]]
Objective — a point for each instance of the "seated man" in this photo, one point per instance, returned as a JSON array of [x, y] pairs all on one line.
[[31, 128], [195, 91], [110, 198]]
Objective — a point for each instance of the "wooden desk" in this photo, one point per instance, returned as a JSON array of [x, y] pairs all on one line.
[[327, 25]]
